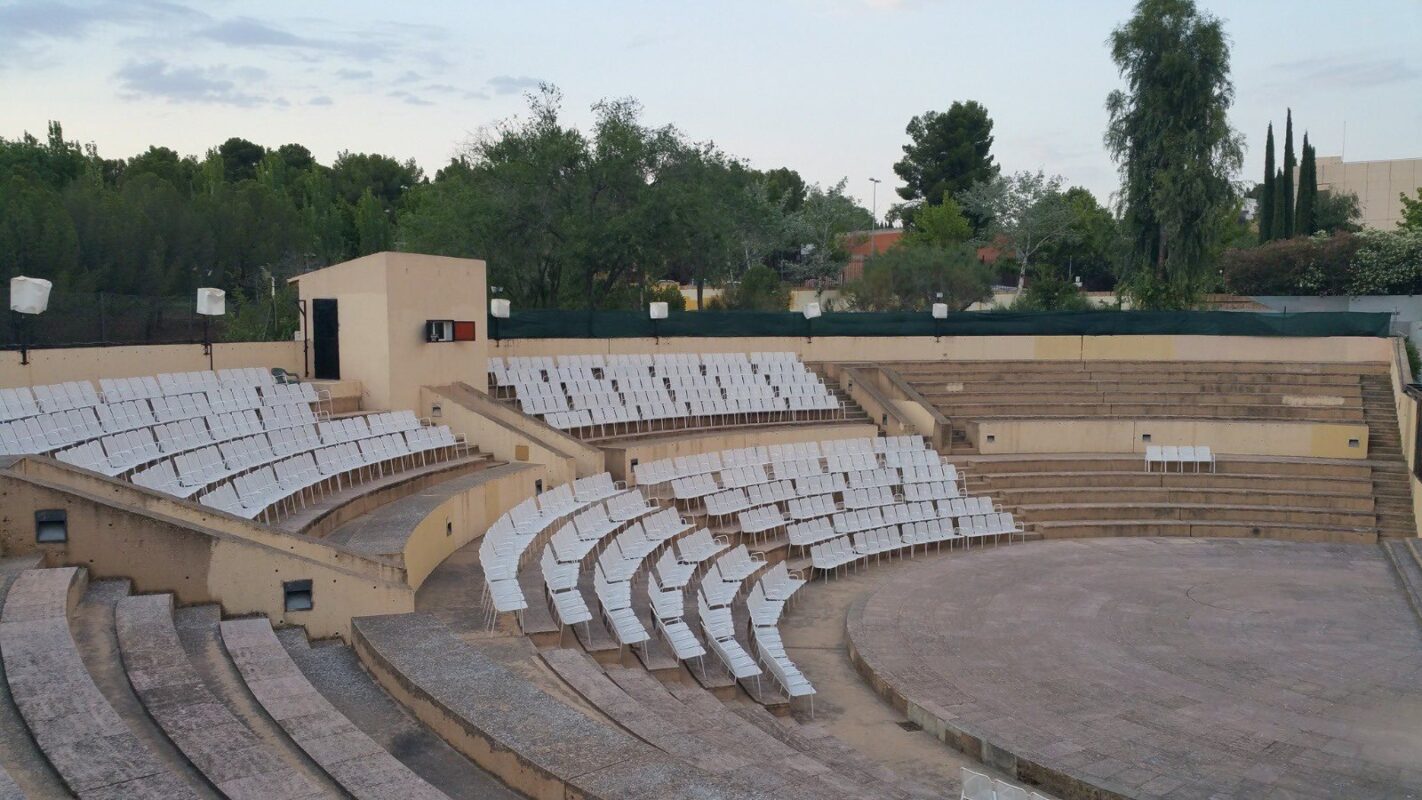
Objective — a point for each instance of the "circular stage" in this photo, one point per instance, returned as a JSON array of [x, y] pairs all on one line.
[[1160, 668]]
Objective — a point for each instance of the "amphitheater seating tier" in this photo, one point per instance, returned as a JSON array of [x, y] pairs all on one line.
[[82, 736], [361, 766]]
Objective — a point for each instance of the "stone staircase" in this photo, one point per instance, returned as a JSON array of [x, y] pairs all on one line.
[[1407, 562], [1391, 488]]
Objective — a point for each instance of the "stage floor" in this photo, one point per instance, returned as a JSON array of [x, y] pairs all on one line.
[[1163, 668]]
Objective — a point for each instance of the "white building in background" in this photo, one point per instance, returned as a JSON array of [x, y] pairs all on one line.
[[1376, 183]]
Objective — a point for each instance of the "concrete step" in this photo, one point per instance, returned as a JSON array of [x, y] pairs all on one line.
[[201, 640], [1196, 513], [1236, 529], [1104, 493], [20, 757], [335, 671], [94, 632], [1406, 566]]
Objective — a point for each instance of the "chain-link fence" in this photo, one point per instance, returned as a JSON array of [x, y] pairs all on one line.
[[76, 319]]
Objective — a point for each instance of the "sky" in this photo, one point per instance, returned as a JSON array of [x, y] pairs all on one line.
[[825, 87]]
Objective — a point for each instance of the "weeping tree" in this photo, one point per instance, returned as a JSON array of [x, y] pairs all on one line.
[[1174, 148]]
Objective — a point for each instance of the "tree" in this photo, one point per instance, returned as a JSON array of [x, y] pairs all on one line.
[[947, 152], [1266, 197], [939, 225], [1337, 211], [372, 225], [1306, 207], [1025, 211], [1169, 133], [240, 159], [1315, 265], [1411, 212], [818, 229], [912, 278], [759, 289], [1091, 248], [1286, 189]]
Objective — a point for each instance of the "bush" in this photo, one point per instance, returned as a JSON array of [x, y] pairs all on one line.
[[1413, 361], [1317, 265], [912, 278], [1387, 262], [1049, 291]]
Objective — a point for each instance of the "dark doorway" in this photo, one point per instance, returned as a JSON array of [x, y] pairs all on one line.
[[326, 339]]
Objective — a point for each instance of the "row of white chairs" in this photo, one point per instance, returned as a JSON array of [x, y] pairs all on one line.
[[977, 786], [785, 459], [265, 491], [22, 401], [1180, 456], [503, 545], [833, 554]]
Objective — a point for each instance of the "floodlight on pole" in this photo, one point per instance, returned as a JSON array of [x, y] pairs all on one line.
[[498, 309], [940, 312], [657, 311], [811, 311], [210, 303], [29, 297]]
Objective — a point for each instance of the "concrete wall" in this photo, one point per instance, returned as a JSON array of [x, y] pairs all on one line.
[[465, 517], [620, 458], [985, 348], [384, 300], [1313, 439], [509, 435], [57, 365], [117, 530], [1407, 411]]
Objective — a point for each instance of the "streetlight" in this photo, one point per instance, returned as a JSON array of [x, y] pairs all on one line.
[[29, 297], [210, 303]]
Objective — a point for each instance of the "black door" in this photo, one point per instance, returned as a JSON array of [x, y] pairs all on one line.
[[326, 339]]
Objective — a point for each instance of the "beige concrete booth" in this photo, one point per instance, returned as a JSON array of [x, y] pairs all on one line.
[[366, 320]]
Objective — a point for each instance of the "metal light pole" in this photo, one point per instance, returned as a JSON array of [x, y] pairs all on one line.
[[874, 213]]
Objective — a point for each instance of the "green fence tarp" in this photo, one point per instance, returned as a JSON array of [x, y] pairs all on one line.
[[563, 324]]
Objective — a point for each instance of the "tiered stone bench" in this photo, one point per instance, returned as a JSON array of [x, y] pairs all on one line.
[[512, 728], [81, 734], [360, 765], [220, 745]]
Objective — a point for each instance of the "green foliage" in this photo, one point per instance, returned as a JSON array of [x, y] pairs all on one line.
[[947, 152], [1266, 197], [1387, 262], [1337, 212], [915, 277], [255, 315], [1306, 207], [669, 294], [1366, 263], [1286, 188], [1025, 212], [759, 289], [940, 225], [1414, 362], [1316, 265], [1169, 133], [1091, 247], [1049, 290], [1411, 212]]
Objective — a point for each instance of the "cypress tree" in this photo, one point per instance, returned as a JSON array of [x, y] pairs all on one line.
[[1266, 196], [1278, 204], [1286, 188], [1305, 209]]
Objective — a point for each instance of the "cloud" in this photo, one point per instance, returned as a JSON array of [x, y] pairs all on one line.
[[27, 25], [1343, 73], [322, 100], [347, 74], [220, 85], [409, 76], [508, 84], [409, 98]]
